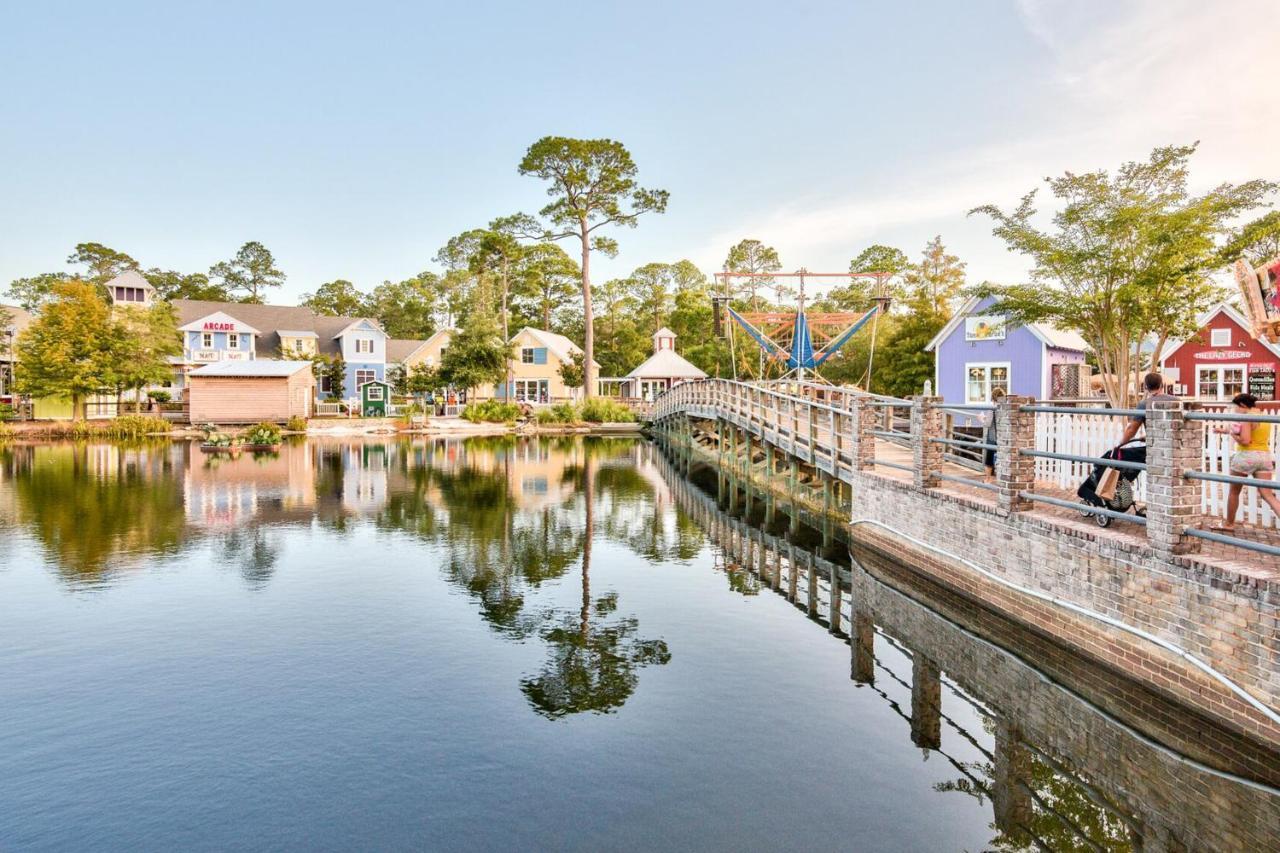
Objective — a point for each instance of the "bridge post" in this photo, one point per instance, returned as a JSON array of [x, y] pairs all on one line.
[[1174, 444], [863, 443], [862, 640], [926, 455], [1015, 473]]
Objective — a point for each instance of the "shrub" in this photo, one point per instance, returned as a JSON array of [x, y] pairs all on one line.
[[560, 413], [491, 411], [263, 433], [7, 412], [296, 424], [601, 410], [160, 396], [132, 426], [6, 431]]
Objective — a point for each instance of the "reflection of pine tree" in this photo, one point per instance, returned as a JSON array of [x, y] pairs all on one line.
[[590, 667], [249, 549]]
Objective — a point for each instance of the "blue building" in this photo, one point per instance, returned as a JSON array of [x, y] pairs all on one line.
[[231, 331]]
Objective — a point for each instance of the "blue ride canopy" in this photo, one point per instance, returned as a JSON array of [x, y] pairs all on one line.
[[801, 354]]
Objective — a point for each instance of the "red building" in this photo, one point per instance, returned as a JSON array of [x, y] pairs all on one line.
[[1222, 360]]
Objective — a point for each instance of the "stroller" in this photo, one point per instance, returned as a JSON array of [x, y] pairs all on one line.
[[1122, 500]]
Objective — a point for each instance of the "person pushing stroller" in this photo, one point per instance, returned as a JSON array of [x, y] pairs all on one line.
[[1121, 500]]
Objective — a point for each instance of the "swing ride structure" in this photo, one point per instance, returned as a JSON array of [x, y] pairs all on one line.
[[802, 340]]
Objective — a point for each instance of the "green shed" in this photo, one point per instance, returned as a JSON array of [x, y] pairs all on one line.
[[374, 397]]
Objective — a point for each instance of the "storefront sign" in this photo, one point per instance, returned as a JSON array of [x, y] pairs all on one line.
[[984, 327], [219, 327], [1262, 383], [1224, 355]]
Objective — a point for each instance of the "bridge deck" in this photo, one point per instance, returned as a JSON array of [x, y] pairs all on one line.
[[1218, 555]]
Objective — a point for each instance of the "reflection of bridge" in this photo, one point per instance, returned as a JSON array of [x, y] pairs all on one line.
[[1145, 602], [1079, 756]]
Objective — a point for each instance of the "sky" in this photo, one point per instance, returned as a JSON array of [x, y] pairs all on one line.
[[354, 139]]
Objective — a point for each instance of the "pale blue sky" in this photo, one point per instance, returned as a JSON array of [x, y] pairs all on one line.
[[354, 139]]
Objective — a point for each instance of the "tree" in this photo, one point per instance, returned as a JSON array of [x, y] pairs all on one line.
[[878, 258], [752, 256], [545, 279], [422, 379], [653, 290], [405, 309], [171, 285], [1257, 241], [72, 349], [103, 262], [334, 369], [933, 285], [337, 298], [249, 274], [1127, 259], [573, 372], [623, 343], [149, 338], [593, 185], [476, 355], [33, 292]]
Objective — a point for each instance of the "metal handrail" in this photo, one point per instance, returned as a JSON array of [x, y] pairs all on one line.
[[1088, 460], [968, 481], [1224, 539], [960, 442], [1069, 410], [1087, 509], [1228, 478], [1232, 416]]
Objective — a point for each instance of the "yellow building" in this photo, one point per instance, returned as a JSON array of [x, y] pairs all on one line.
[[536, 356]]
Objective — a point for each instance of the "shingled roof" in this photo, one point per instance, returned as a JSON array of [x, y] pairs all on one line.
[[269, 320]]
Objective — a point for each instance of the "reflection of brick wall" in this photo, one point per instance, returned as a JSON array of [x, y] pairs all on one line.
[[1201, 810]]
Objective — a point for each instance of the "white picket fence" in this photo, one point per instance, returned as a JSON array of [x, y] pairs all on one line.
[[1094, 434]]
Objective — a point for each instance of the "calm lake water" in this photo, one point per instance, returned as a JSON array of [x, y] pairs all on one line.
[[485, 644]]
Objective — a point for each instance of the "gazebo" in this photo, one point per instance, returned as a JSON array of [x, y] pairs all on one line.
[[661, 370]]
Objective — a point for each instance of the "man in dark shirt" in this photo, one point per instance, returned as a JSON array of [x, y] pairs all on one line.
[[1153, 383]]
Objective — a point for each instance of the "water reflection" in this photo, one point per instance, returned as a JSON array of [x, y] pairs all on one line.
[[508, 515], [1072, 756]]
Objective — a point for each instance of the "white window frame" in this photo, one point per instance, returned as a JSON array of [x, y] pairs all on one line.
[[526, 355], [1219, 369], [529, 390], [1215, 341], [987, 366], [206, 340], [364, 346], [370, 376], [233, 340]]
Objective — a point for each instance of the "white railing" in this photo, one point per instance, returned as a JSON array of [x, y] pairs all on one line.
[[821, 433]]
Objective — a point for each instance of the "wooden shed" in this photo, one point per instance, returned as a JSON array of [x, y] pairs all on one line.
[[244, 392]]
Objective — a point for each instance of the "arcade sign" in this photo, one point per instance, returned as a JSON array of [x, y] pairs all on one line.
[[215, 326]]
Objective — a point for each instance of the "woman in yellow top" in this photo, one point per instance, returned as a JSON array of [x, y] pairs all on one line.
[[1253, 457]]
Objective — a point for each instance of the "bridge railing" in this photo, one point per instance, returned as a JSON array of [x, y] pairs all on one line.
[[1051, 445]]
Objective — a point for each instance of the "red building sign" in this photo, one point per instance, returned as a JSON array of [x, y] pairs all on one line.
[[1223, 359]]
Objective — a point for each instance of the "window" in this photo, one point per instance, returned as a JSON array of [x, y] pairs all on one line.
[[1220, 338], [982, 379], [375, 392], [233, 340], [526, 355], [364, 346], [532, 390], [206, 340], [1219, 382], [325, 386], [363, 376]]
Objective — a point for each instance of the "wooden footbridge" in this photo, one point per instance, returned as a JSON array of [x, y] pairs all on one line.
[[1192, 612]]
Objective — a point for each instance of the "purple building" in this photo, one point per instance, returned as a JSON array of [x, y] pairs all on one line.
[[978, 352]]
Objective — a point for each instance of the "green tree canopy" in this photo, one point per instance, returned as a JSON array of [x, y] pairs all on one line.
[[1127, 260], [249, 274], [102, 262], [36, 290], [406, 309], [72, 349], [1257, 241], [337, 298], [592, 184], [171, 285], [753, 256], [476, 354]]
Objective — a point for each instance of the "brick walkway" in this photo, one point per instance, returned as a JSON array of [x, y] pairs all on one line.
[[1224, 558]]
